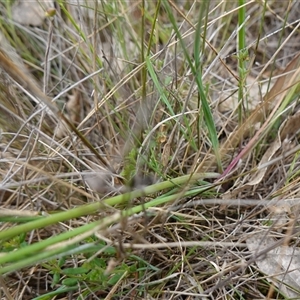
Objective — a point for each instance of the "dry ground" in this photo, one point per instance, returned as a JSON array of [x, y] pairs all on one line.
[[107, 98]]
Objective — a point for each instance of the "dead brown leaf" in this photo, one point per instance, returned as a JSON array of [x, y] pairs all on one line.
[[291, 126], [166, 154], [74, 107], [31, 12], [255, 90], [287, 129], [270, 100], [281, 264]]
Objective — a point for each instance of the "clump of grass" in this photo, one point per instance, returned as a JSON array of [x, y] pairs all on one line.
[[134, 178]]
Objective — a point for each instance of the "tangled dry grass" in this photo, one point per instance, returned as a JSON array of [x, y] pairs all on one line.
[[99, 99]]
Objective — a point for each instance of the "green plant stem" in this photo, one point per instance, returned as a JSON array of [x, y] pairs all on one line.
[[18, 257], [241, 58], [93, 208], [209, 121]]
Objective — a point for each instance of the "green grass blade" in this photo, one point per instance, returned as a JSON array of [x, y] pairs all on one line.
[[209, 122]]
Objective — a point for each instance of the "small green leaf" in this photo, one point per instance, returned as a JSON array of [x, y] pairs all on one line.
[[70, 281], [75, 271], [61, 261], [55, 279], [115, 278]]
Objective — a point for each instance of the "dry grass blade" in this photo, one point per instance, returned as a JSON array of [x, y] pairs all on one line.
[[112, 114], [27, 81], [24, 80], [271, 100]]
